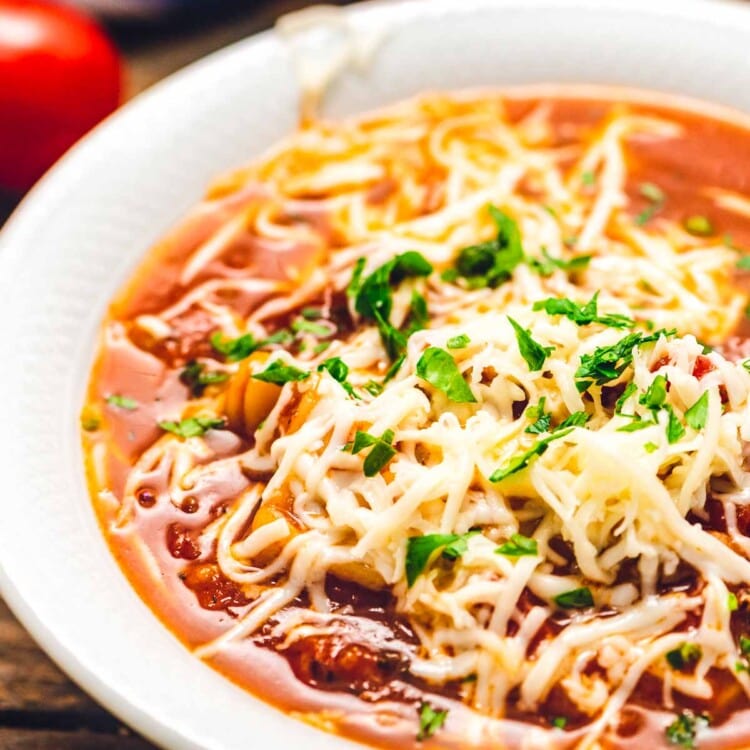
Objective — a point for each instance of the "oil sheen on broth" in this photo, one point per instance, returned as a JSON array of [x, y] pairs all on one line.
[[444, 513]]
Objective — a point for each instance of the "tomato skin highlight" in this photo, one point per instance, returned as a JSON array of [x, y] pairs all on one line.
[[59, 76]]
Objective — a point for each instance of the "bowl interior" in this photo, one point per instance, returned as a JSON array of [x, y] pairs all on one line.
[[82, 230]]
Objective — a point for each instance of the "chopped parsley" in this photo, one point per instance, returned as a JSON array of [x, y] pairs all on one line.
[[674, 429], [278, 373], [373, 297], [697, 414], [638, 423], [699, 226], [575, 599], [656, 197], [655, 394], [541, 418], [382, 450], [743, 263], [430, 720], [440, 370], [547, 265], [373, 388], [309, 326], [745, 645], [522, 460], [560, 722], [534, 353], [685, 655], [491, 263], [652, 192], [192, 426], [419, 550], [588, 178], [418, 317], [458, 342], [732, 603], [684, 729], [311, 313], [196, 377], [576, 419], [394, 368], [650, 447], [243, 346], [339, 371], [356, 280], [518, 546], [122, 402], [607, 363], [582, 314]]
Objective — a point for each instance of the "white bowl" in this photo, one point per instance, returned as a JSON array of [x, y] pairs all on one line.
[[82, 230]]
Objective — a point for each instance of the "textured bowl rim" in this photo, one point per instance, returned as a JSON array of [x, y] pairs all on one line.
[[59, 179]]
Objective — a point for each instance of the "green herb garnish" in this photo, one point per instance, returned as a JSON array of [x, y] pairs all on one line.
[[417, 317], [683, 730], [732, 603], [743, 263], [373, 388], [534, 353], [582, 314], [243, 346], [518, 546], [419, 550], [656, 196], [458, 342], [655, 394], [308, 326], [548, 264], [439, 369], [339, 371], [685, 655], [196, 377], [122, 402], [697, 414], [430, 720], [575, 599], [576, 419], [522, 460], [374, 296], [607, 363], [192, 426], [279, 373], [541, 418], [650, 447], [674, 429], [560, 722], [491, 263], [382, 451]]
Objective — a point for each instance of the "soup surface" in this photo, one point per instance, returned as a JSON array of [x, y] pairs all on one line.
[[430, 427]]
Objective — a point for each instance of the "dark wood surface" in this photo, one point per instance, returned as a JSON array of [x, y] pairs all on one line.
[[40, 708]]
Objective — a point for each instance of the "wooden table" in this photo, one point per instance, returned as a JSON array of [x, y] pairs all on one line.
[[40, 708]]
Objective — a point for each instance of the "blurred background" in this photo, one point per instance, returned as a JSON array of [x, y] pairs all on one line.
[[64, 67], [67, 64]]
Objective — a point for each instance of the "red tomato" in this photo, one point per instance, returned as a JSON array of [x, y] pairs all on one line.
[[59, 75]]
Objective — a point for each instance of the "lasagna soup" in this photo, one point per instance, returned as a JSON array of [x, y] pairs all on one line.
[[431, 427]]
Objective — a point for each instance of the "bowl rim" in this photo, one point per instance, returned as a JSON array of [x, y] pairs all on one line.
[[31, 209]]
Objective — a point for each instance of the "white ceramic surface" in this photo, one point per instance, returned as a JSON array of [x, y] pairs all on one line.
[[81, 231]]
